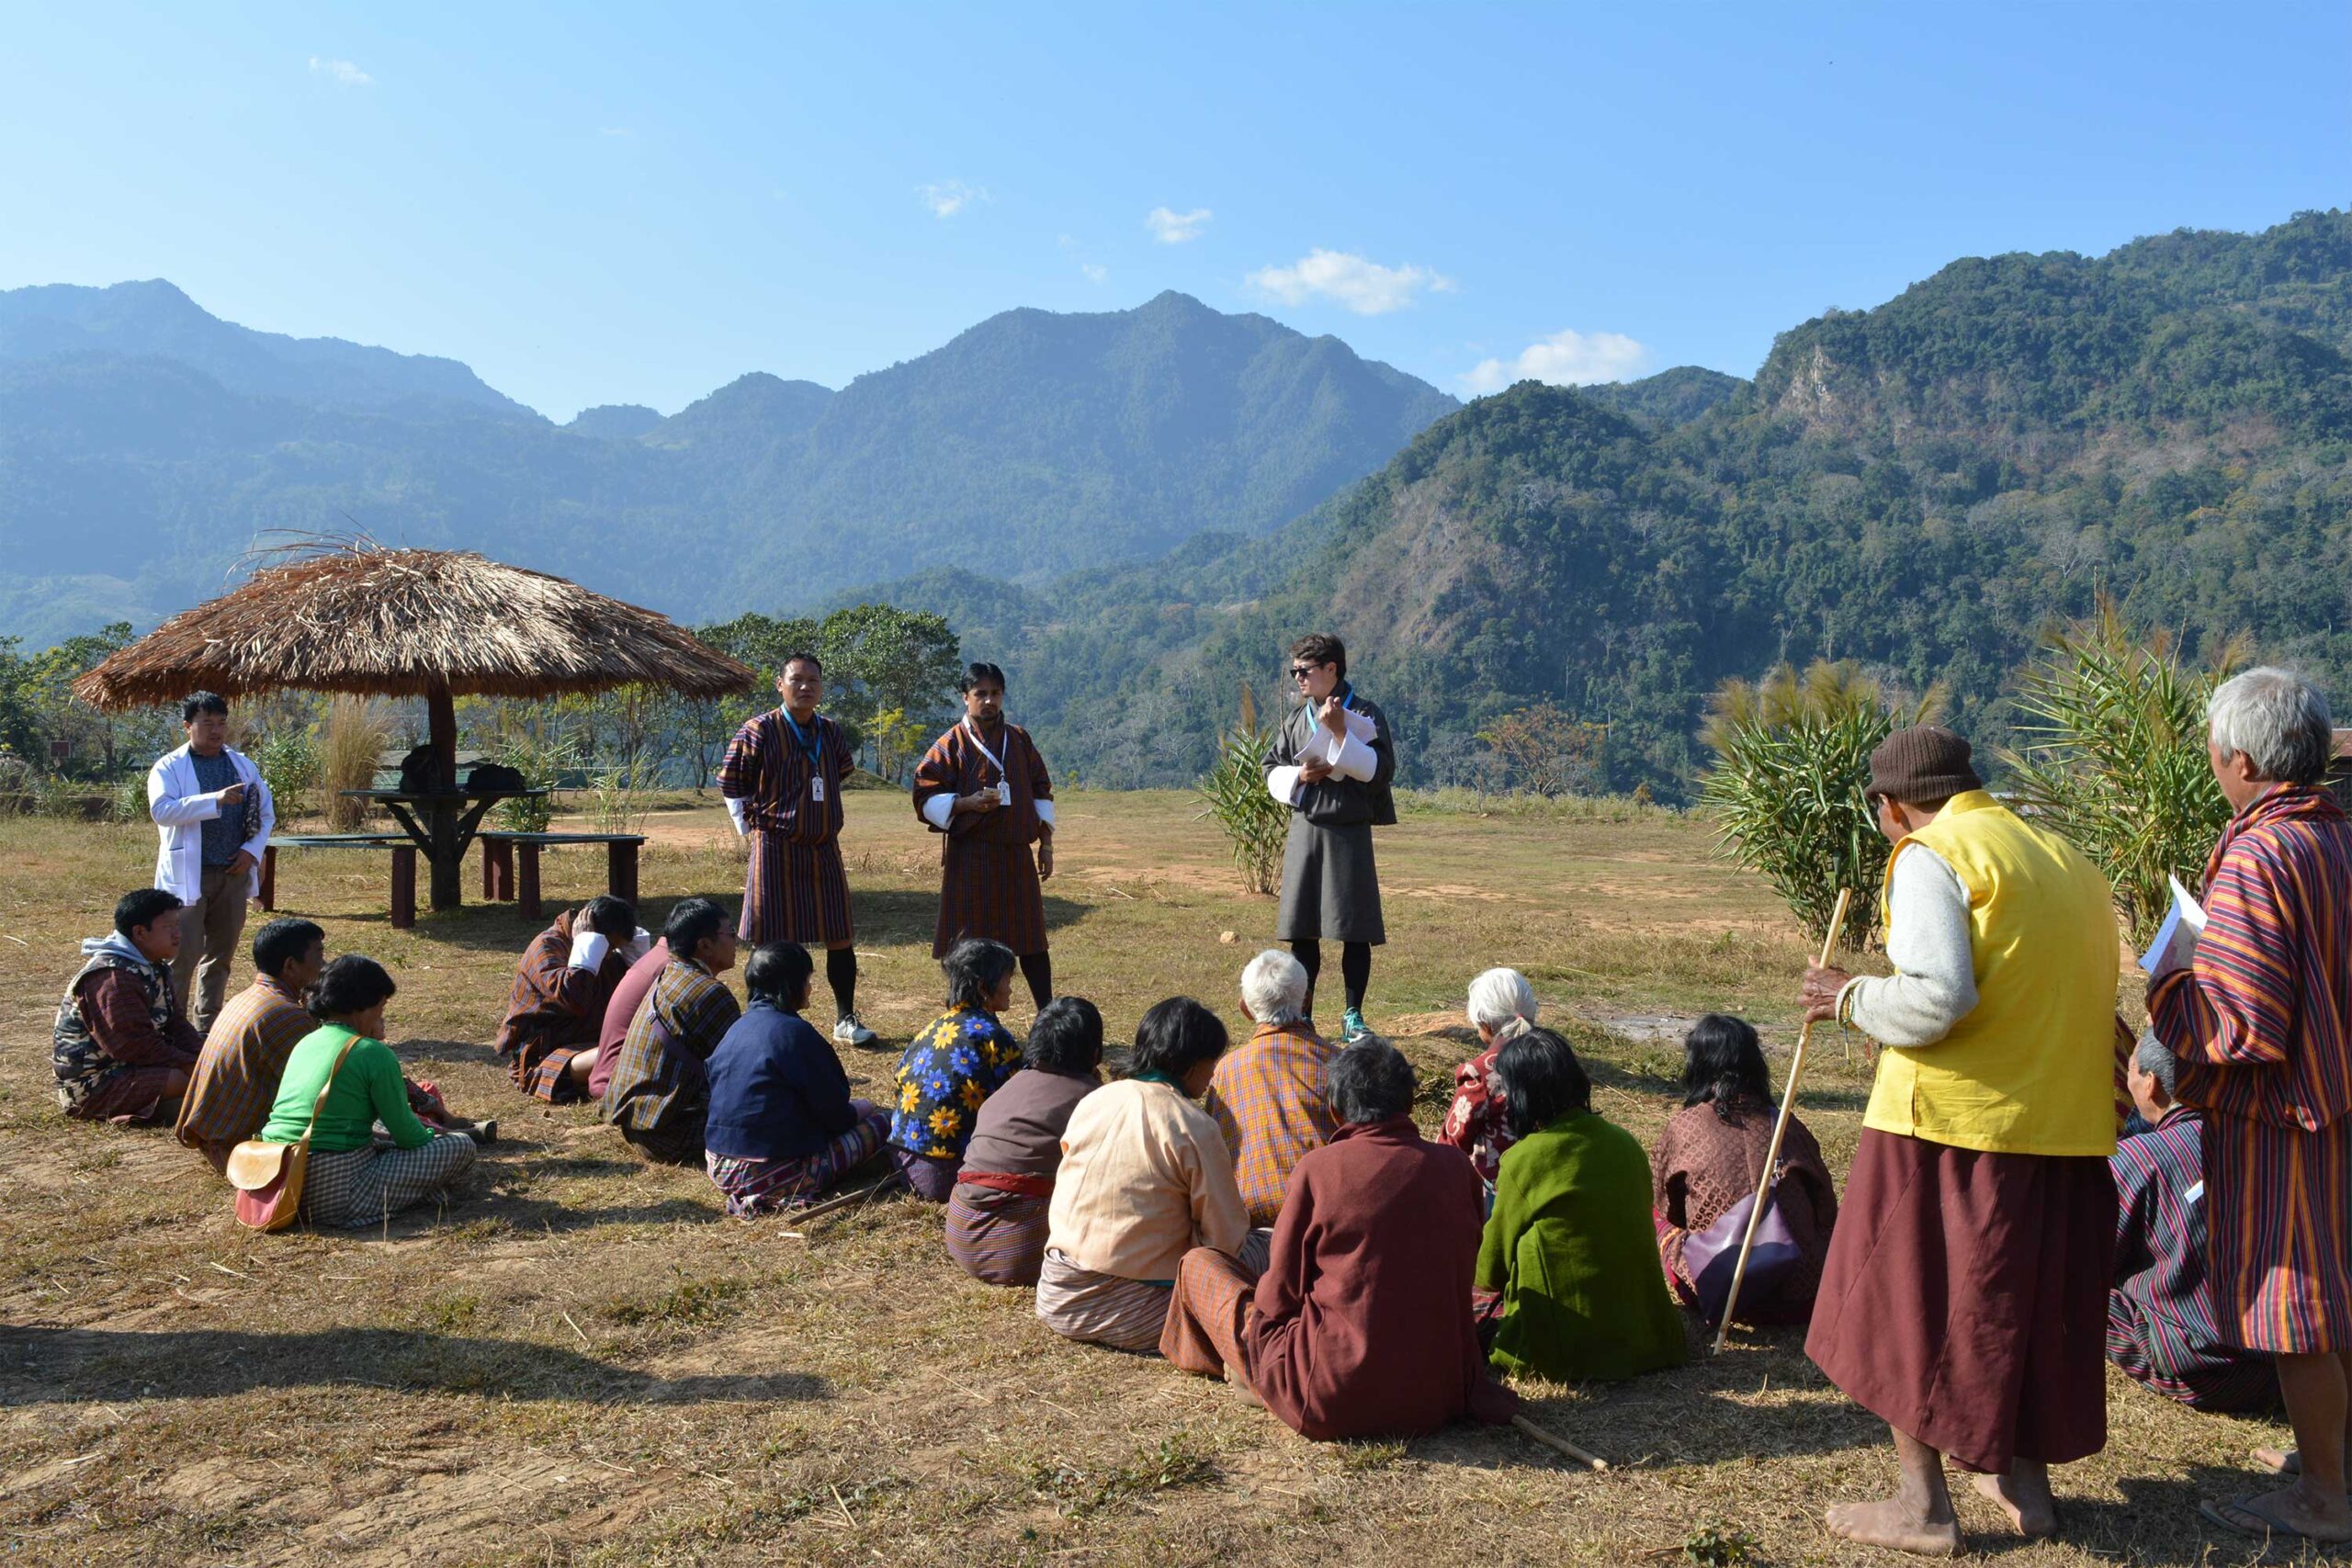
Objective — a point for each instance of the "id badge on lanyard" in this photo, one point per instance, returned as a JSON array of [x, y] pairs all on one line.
[[1004, 773], [816, 789]]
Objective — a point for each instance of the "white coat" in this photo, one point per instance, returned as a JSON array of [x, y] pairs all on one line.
[[180, 813]]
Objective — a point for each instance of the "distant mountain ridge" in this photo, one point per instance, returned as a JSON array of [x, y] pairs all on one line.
[[1032, 444]]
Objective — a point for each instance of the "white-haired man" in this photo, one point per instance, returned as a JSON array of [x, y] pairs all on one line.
[[2261, 1018], [1271, 1095]]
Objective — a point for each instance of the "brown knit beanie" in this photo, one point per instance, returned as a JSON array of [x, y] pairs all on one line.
[[1923, 763]]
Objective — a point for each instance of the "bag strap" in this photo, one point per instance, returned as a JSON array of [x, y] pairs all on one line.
[[326, 1088]]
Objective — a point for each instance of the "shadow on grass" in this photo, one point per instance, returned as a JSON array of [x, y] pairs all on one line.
[[2157, 1524], [89, 1365]]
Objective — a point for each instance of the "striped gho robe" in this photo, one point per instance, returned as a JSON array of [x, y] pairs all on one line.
[[795, 889], [2262, 1022], [987, 878], [235, 1079], [555, 1010], [660, 1090]]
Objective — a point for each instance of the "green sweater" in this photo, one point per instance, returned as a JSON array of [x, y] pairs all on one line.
[[1571, 1246], [369, 1089]]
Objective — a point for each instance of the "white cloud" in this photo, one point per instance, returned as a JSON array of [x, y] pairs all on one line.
[[345, 74], [1365, 287], [1564, 359], [1175, 228], [947, 197], [1094, 272]]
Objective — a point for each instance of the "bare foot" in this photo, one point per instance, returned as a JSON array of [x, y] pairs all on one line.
[[2286, 1462], [2023, 1497], [1240, 1386], [2289, 1512], [1896, 1525]]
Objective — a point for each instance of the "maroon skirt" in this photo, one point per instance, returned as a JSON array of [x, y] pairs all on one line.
[[1964, 1299]]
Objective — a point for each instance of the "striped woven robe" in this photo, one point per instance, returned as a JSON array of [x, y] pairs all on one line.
[[555, 1011], [795, 889], [235, 1079], [2262, 1022], [987, 878]]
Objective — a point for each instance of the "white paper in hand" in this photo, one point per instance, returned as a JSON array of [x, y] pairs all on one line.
[[2177, 938]]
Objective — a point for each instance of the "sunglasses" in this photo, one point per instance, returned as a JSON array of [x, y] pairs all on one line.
[[1301, 672]]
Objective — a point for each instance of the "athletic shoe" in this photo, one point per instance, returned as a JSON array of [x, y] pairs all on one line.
[[1352, 1028], [848, 1031]]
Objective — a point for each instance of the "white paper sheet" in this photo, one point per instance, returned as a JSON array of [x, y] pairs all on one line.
[[2177, 938]]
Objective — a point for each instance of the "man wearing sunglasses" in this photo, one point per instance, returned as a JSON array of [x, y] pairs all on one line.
[[1331, 763]]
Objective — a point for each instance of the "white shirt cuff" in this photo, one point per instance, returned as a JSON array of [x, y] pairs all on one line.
[[1283, 784], [735, 810], [938, 809], [1356, 761], [640, 945], [1045, 812], [588, 950]]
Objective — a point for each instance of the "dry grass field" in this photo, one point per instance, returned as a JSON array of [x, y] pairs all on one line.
[[584, 1361]]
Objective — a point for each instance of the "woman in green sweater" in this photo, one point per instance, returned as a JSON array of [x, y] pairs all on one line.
[[351, 1182], [1569, 1246]]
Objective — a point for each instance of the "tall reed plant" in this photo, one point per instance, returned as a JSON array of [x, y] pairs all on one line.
[[2112, 756], [359, 729], [1233, 793]]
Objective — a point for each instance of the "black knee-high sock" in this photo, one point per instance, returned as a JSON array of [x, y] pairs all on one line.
[[1355, 971], [840, 974], [1310, 958], [1038, 968]]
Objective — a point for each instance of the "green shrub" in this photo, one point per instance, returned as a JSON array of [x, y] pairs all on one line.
[[1233, 793], [288, 760]]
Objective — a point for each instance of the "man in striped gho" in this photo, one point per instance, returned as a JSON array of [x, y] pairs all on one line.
[[2261, 1018], [782, 778], [983, 788]]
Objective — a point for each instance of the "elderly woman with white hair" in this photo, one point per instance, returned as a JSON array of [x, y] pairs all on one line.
[[1502, 1005], [1271, 1095], [2260, 1015]]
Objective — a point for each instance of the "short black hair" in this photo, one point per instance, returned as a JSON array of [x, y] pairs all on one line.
[[692, 921], [778, 972], [1067, 1037], [1176, 1036], [1543, 1080], [351, 983], [980, 672], [282, 941], [609, 917], [203, 702], [1320, 647], [800, 656], [1370, 1081], [139, 909], [974, 967], [1723, 1064]]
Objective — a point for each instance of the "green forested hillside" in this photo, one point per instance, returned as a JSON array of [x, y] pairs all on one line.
[[1923, 487]]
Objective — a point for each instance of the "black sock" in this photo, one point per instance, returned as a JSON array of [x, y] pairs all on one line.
[[840, 974], [1355, 971], [1038, 968], [1310, 958]]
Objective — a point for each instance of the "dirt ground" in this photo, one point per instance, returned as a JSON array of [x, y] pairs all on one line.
[[582, 1360]]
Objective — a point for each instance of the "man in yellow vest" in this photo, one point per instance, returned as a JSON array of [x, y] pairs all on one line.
[[1964, 1296]]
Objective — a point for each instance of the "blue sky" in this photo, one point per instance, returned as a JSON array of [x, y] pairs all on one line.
[[604, 203]]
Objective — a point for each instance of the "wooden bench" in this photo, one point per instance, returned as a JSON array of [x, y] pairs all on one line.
[[404, 865], [510, 865]]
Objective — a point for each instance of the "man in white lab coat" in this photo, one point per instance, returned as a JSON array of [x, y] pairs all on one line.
[[214, 815]]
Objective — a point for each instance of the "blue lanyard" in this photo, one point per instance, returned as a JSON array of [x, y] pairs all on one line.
[[816, 748]]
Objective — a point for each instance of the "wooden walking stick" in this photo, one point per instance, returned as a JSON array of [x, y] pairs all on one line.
[[1558, 1444], [1781, 1126]]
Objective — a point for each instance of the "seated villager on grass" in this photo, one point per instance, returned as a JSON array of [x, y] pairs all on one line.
[[121, 1047], [1968, 1275], [1268, 1094], [235, 1079], [1360, 1325], [565, 982], [949, 1070], [1501, 1006], [996, 1220], [1145, 1178], [660, 1090], [1568, 1254], [1707, 1164], [782, 1127], [352, 1182], [2163, 1328], [620, 1012]]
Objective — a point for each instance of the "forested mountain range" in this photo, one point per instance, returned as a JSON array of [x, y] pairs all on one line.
[[145, 445], [1925, 487]]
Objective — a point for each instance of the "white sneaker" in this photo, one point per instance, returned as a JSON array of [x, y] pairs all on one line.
[[848, 1031]]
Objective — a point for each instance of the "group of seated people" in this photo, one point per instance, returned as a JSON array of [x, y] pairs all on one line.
[[123, 1052], [1265, 1213]]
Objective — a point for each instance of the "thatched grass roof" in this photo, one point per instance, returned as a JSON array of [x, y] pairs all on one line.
[[407, 622]]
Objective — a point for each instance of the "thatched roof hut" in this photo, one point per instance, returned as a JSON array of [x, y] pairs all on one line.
[[408, 622]]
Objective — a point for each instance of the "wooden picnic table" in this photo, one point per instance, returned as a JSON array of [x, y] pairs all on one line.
[[450, 818]]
